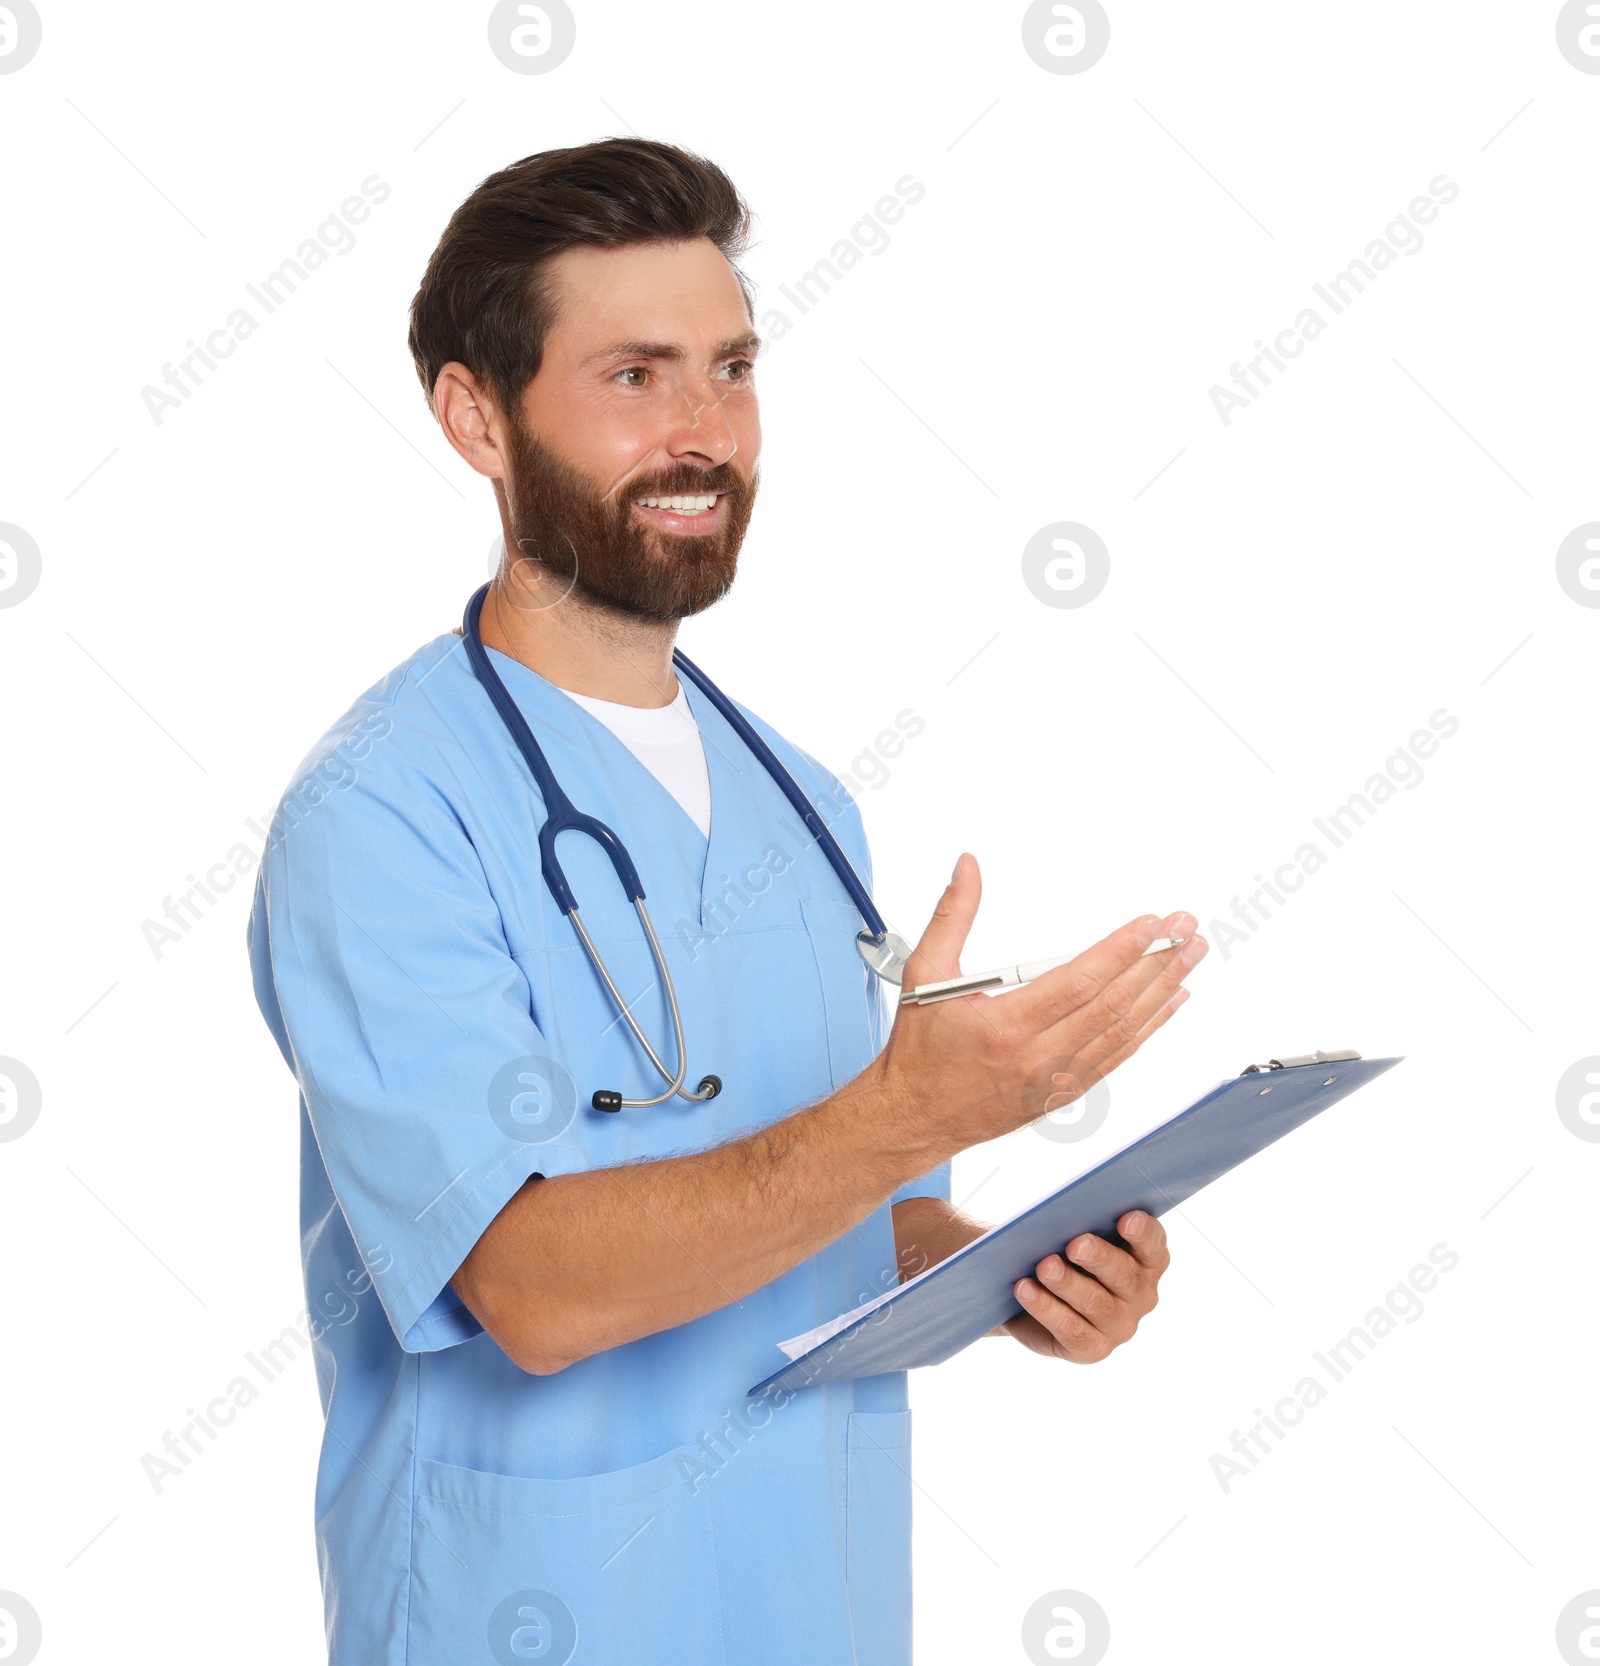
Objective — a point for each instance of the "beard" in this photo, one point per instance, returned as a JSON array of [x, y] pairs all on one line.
[[601, 549]]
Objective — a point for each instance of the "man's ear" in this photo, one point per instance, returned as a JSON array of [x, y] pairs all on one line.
[[468, 413]]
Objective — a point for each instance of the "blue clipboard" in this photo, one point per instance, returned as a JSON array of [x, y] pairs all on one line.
[[965, 1296]]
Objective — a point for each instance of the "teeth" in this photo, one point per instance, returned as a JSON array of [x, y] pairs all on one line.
[[681, 505]]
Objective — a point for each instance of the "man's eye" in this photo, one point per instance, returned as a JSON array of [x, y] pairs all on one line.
[[635, 370], [739, 370]]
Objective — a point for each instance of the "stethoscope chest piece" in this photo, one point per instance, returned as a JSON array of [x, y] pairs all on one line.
[[886, 955]]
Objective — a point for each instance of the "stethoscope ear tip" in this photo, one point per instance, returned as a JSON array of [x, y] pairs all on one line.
[[606, 1100], [710, 1087]]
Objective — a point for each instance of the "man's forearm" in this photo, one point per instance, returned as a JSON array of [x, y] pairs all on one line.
[[580, 1263]]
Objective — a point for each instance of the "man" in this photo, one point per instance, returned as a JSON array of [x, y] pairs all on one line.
[[538, 1322]]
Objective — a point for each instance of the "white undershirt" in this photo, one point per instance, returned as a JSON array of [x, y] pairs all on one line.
[[666, 740]]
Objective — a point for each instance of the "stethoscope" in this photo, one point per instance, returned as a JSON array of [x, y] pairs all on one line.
[[882, 950]]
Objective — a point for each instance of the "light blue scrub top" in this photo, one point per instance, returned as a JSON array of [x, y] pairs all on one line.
[[407, 956]]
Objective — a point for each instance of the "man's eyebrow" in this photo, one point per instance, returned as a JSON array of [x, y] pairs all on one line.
[[669, 351]]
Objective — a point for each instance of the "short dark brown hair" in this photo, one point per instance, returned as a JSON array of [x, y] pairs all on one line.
[[484, 300]]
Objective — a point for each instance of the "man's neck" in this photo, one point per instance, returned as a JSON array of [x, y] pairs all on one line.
[[582, 648]]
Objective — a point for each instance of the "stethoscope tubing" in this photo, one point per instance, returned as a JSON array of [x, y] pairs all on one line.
[[673, 1079], [562, 816]]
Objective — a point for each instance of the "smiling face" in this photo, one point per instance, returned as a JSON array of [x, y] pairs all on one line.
[[633, 470]]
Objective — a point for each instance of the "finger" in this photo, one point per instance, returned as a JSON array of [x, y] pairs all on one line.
[[1146, 1238], [1084, 1294], [1134, 994], [1115, 1269], [1068, 989], [1122, 1009], [1073, 1077], [938, 953], [1077, 1338], [1165, 969]]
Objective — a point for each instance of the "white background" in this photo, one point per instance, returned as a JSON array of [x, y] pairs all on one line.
[[1292, 598]]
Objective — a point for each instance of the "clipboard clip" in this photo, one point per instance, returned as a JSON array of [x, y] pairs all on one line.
[[1289, 1063]]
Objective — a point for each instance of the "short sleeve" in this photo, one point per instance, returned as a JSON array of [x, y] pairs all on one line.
[[381, 962]]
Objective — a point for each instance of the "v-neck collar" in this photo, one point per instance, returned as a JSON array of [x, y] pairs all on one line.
[[667, 794], [728, 766]]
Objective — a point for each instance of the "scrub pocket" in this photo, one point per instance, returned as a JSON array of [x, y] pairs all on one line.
[[613, 1567], [878, 1541], [846, 999]]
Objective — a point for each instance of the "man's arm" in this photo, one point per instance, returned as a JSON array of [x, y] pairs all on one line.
[[579, 1263], [583, 1262], [927, 1230]]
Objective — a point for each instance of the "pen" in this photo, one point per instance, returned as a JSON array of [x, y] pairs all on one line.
[[926, 994]]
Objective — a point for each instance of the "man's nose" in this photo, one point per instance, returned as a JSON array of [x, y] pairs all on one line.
[[701, 426]]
